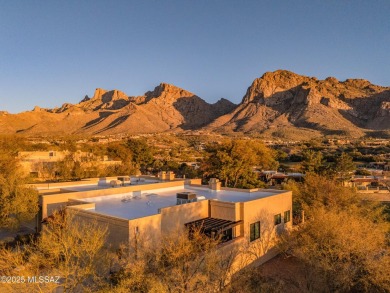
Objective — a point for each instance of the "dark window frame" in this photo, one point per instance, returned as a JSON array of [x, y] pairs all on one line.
[[287, 216], [277, 219], [254, 231]]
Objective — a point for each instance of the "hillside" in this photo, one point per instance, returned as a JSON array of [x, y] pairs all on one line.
[[113, 112], [279, 104], [283, 103]]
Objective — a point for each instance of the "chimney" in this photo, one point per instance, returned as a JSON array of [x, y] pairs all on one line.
[[214, 184], [162, 175], [170, 175], [166, 175]]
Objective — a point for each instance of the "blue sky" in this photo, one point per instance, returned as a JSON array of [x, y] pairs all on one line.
[[52, 52]]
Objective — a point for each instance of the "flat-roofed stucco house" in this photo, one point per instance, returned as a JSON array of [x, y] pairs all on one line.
[[153, 207]]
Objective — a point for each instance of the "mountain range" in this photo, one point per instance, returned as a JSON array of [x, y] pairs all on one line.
[[278, 104]]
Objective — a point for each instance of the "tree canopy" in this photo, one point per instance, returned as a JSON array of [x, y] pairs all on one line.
[[233, 162], [344, 252], [343, 241], [142, 153], [312, 161]]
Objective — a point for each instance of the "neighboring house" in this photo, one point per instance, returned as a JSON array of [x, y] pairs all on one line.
[[37, 163], [194, 165], [275, 178], [368, 183], [150, 208]]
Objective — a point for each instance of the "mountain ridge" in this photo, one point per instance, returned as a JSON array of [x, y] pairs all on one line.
[[280, 103]]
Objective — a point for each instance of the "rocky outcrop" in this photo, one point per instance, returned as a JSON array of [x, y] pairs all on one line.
[[108, 100]]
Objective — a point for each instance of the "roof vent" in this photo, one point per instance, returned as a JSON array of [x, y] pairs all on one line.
[[185, 197]]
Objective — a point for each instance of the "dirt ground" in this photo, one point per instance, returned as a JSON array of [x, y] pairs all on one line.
[[25, 229], [286, 271]]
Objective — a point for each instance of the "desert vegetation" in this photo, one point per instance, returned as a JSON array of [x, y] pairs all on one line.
[[340, 241]]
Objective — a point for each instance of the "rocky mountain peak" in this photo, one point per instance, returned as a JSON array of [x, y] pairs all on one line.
[[103, 99], [223, 100], [99, 92], [108, 96], [272, 83], [86, 98], [167, 92]]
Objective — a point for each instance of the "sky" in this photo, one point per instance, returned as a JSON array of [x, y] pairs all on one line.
[[52, 52]]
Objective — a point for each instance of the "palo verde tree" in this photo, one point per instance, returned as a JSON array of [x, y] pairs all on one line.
[[18, 202], [233, 162], [341, 252], [342, 244], [69, 251], [178, 264]]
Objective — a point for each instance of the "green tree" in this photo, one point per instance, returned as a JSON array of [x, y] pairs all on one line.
[[312, 161], [65, 167], [119, 151], [142, 153], [188, 171], [18, 202], [344, 165], [233, 162], [318, 191]]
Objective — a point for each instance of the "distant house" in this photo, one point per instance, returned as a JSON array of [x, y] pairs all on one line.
[[369, 183], [275, 178], [36, 162]]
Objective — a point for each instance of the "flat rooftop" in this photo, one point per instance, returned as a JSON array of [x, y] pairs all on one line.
[[137, 204], [92, 185]]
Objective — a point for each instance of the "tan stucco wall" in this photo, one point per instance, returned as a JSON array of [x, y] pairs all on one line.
[[264, 210], [117, 228], [272, 205], [146, 230], [173, 218], [223, 210]]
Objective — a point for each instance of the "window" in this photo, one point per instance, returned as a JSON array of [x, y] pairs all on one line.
[[287, 217], [227, 235], [254, 231], [278, 219]]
